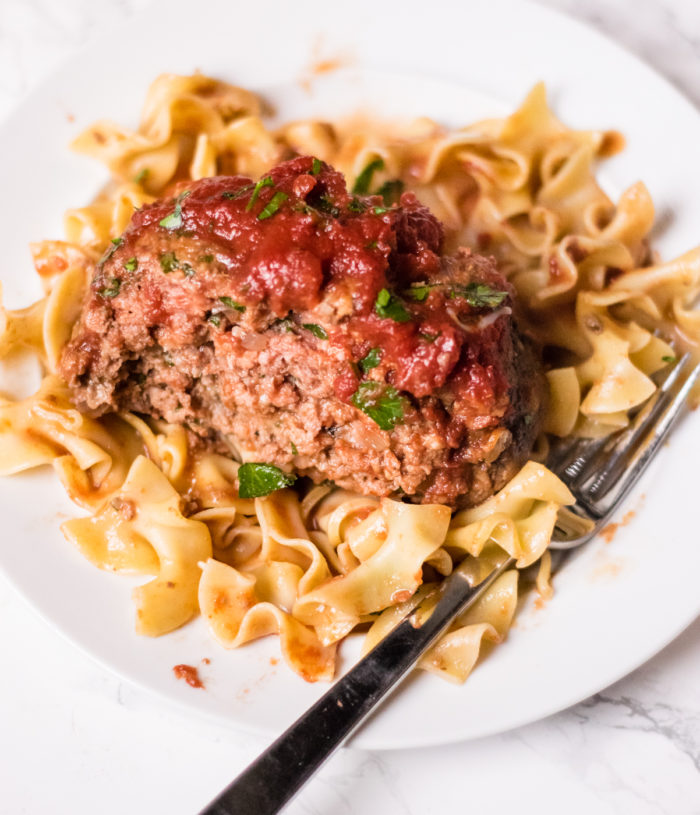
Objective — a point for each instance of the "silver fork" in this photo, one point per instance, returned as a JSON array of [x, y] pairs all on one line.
[[599, 472]]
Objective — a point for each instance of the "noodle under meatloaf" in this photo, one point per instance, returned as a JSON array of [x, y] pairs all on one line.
[[316, 330]]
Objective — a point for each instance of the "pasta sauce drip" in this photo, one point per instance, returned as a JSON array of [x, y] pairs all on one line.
[[190, 674]]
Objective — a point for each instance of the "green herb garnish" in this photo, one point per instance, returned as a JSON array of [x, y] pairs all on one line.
[[387, 305], [174, 220], [214, 319], [141, 176], [418, 293], [207, 258], [372, 245], [380, 210], [382, 403], [428, 337], [391, 191], [356, 205], [479, 295], [302, 206], [264, 182], [112, 290], [169, 262], [371, 360], [256, 480], [131, 265], [669, 360], [285, 323], [295, 452], [316, 166], [116, 243], [364, 179], [239, 193], [231, 303], [273, 205], [327, 207], [316, 330]]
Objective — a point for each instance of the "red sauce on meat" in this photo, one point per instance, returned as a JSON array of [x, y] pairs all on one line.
[[190, 674], [302, 237]]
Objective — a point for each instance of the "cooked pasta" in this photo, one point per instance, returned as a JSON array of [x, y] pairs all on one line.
[[312, 568]]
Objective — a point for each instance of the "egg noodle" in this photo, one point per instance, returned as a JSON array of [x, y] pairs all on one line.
[[312, 568]]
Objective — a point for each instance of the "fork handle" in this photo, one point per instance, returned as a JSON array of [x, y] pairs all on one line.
[[271, 781]]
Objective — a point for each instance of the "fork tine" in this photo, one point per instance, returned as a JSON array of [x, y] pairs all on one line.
[[601, 472], [561, 453], [599, 451], [634, 451], [589, 453]]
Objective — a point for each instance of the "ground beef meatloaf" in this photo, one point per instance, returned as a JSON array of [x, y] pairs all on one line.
[[320, 331]]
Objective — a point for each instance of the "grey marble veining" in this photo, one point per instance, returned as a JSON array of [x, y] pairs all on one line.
[[664, 34]]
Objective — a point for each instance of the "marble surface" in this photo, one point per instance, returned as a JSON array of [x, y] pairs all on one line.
[[74, 739]]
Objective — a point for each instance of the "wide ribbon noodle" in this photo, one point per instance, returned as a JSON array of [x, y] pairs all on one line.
[[314, 567]]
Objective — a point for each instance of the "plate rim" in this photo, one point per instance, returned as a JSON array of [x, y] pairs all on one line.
[[376, 743]]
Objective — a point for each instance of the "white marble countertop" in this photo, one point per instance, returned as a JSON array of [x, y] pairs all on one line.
[[74, 739]]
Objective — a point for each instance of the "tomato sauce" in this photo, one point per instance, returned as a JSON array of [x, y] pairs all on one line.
[[190, 674], [298, 236]]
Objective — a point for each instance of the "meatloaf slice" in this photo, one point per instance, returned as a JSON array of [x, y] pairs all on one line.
[[315, 330]]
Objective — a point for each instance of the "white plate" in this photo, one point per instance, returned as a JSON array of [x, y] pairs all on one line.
[[615, 604]]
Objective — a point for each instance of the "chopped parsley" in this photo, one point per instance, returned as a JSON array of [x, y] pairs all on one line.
[[112, 290], [285, 323], [356, 205], [364, 179], [479, 295], [372, 245], [424, 335], [231, 303], [207, 258], [327, 207], [316, 166], [371, 360], [302, 206], [141, 176], [391, 191], [131, 265], [169, 262], [174, 220], [380, 210], [256, 480], [382, 403], [116, 243], [669, 360], [264, 182], [232, 195], [419, 292], [214, 319], [273, 205], [295, 452], [316, 330], [387, 305]]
